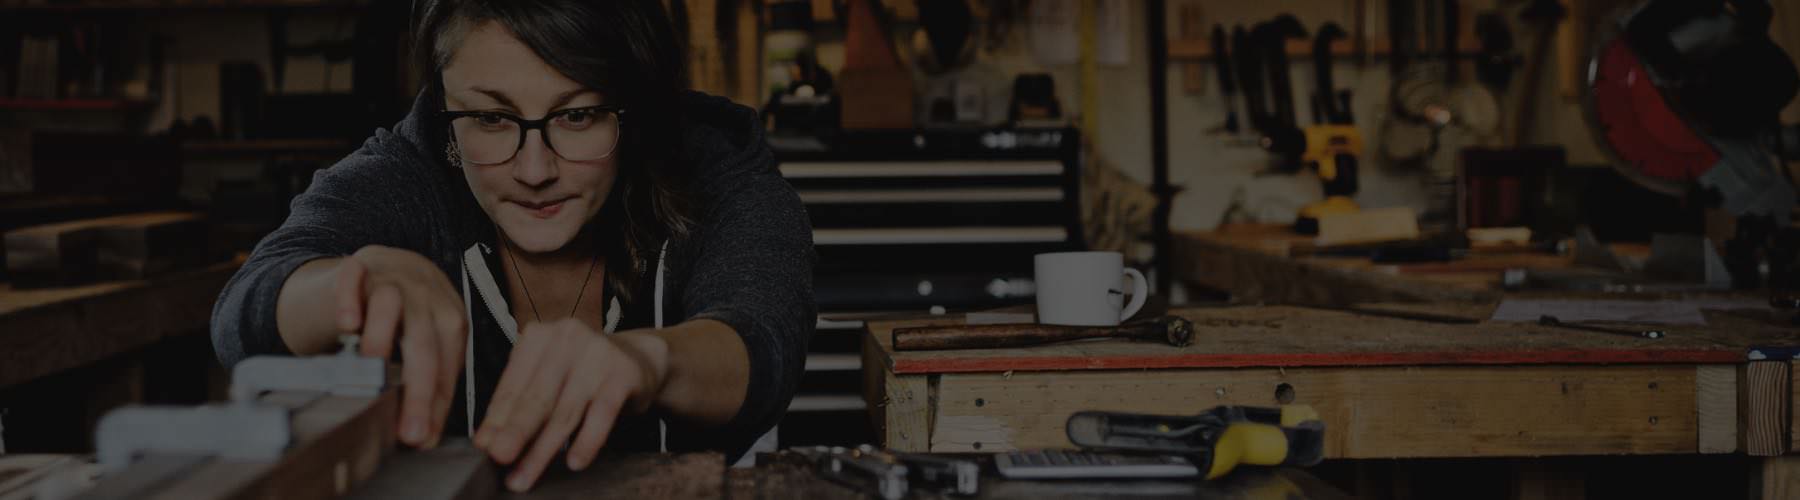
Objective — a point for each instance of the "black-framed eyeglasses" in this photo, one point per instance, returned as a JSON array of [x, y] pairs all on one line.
[[576, 134]]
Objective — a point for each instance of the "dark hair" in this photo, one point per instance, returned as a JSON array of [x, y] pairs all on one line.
[[627, 50]]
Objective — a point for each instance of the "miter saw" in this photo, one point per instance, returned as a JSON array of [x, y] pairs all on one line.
[[1684, 96]]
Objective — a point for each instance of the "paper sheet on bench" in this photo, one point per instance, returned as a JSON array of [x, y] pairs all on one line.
[[1663, 312]]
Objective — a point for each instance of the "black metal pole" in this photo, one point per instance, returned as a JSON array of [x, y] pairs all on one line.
[[1155, 12]]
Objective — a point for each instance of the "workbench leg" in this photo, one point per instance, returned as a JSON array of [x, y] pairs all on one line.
[[909, 407], [1541, 480], [1778, 478], [1766, 405]]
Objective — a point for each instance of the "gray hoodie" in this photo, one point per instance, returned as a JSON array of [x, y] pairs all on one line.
[[747, 263]]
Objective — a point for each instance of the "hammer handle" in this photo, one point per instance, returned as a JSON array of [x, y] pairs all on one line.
[[934, 338]]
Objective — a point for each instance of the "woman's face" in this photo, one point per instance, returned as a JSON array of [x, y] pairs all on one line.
[[539, 199]]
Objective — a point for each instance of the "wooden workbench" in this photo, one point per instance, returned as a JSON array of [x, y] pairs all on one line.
[[46, 331], [1386, 388], [465, 474]]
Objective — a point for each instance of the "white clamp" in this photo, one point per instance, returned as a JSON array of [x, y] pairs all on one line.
[[230, 431], [343, 374]]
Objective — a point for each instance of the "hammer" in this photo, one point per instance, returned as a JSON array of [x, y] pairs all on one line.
[[1173, 330]]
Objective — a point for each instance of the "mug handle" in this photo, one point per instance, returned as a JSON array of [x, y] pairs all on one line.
[[1139, 291]]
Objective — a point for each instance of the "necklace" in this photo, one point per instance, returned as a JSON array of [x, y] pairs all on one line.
[[527, 288]]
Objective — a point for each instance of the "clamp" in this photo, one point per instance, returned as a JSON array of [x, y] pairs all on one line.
[[244, 429]]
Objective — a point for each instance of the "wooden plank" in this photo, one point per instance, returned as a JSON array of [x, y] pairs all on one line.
[[1766, 407], [1254, 266], [131, 246], [637, 476], [52, 255], [1286, 336], [1716, 406], [148, 245], [61, 329], [20, 473], [1368, 226], [908, 410], [455, 470], [1388, 412]]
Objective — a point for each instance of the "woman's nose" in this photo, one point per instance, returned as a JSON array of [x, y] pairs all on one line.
[[535, 165]]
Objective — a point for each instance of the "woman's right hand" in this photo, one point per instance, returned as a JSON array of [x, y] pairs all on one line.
[[394, 297]]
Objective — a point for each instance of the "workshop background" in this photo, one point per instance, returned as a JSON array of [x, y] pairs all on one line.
[[184, 127]]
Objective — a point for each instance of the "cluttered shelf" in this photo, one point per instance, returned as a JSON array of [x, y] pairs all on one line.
[[153, 5]]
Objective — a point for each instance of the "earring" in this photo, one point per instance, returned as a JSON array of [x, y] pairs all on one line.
[[452, 154]]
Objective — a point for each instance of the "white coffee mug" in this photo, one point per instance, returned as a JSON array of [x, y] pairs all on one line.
[[1086, 289]]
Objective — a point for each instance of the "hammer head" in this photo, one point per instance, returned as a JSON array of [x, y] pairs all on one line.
[[1179, 329]]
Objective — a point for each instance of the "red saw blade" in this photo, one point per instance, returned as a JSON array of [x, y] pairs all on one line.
[[1639, 125]]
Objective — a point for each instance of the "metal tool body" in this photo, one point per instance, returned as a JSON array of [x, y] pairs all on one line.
[[1219, 439], [1172, 330], [887, 480], [886, 474]]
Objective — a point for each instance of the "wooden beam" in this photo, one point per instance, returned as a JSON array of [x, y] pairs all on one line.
[[122, 247], [57, 328], [1393, 412], [1777, 478], [1716, 407], [52, 255], [908, 412], [1193, 26], [1766, 395], [1541, 480]]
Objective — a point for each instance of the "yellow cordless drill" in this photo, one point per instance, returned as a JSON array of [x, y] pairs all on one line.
[[1331, 150]]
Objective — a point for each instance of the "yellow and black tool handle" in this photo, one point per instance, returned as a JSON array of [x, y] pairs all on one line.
[[1219, 439]]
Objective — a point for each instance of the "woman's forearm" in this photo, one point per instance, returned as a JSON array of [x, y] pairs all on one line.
[[707, 370], [305, 313]]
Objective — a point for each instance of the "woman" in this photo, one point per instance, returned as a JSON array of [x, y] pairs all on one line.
[[552, 185]]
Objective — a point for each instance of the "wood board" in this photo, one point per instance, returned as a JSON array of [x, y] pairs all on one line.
[[120, 247], [1288, 336], [71, 327]]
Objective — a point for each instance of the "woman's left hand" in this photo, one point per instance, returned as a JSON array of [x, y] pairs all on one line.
[[563, 377]]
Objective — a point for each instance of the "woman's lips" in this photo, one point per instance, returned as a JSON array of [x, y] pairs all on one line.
[[542, 210]]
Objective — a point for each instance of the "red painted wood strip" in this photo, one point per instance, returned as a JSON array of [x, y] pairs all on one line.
[[1289, 360]]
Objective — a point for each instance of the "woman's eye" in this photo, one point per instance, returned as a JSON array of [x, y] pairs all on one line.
[[578, 119], [490, 120]]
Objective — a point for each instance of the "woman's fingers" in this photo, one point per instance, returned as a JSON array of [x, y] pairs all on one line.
[[451, 345], [522, 369], [381, 323], [419, 379], [349, 291], [596, 425], [532, 406], [570, 405]]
